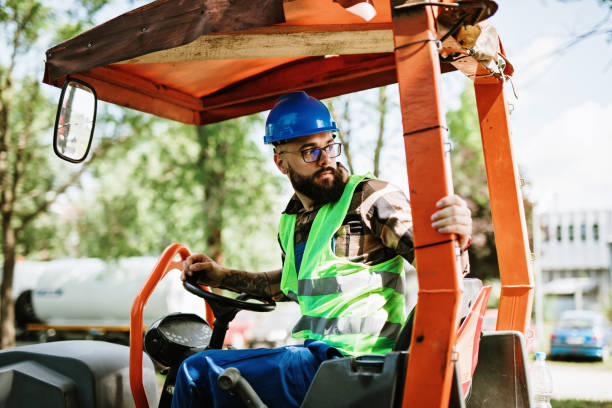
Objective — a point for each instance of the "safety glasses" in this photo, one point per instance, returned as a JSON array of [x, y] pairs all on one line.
[[314, 154]]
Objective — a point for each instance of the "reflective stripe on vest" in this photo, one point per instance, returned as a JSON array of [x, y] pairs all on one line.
[[354, 307]]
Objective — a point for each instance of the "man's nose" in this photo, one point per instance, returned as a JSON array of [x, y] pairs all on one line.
[[324, 160]]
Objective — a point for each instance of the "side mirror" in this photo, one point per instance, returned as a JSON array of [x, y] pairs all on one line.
[[75, 120]]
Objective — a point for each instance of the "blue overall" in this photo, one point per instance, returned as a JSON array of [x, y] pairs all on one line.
[[280, 376]]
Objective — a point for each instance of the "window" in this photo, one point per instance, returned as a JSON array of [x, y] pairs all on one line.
[[595, 232], [571, 233], [545, 234], [583, 232], [559, 233]]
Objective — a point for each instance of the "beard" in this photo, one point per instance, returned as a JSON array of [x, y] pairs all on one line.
[[326, 192]]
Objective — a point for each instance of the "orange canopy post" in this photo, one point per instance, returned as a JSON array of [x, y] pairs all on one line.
[[506, 207], [429, 375]]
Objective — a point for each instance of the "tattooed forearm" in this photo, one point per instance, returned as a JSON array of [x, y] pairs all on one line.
[[265, 284], [244, 282]]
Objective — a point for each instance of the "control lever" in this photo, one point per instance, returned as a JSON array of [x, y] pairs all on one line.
[[233, 382]]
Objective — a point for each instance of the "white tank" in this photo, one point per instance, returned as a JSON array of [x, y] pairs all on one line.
[[90, 291]]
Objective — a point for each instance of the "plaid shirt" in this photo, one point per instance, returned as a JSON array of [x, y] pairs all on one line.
[[377, 226]]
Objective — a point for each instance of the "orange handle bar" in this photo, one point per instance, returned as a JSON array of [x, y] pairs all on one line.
[[166, 263]]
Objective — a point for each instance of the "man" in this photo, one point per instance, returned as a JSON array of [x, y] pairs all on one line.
[[344, 240]]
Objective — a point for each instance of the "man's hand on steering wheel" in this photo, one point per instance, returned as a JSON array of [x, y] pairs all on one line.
[[201, 270], [207, 271]]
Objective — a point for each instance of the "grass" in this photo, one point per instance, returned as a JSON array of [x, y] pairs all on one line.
[[580, 404]]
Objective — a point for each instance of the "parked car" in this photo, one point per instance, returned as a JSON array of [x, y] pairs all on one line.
[[581, 333]]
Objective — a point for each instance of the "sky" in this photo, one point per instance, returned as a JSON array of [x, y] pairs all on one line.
[[562, 132], [562, 128]]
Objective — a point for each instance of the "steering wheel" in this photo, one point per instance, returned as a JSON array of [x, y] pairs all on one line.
[[267, 305]]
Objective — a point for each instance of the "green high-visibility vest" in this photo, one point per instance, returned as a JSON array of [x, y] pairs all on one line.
[[354, 307]]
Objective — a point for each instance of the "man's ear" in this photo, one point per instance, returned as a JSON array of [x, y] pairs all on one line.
[[280, 163]]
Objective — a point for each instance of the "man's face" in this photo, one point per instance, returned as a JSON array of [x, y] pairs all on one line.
[[320, 180]]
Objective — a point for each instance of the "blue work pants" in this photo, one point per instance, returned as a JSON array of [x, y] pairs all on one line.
[[280, 376]]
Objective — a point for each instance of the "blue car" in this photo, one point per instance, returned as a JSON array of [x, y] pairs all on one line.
[[581, 333]]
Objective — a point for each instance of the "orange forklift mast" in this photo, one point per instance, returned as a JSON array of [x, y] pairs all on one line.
[[431, 363]]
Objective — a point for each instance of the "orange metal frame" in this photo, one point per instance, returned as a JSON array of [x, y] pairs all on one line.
[[506, 208], [468, 339], [429, 373], [430, 366], [417, 67], [166, 263]]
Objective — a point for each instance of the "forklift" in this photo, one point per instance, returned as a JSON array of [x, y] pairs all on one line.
[[204, 61]]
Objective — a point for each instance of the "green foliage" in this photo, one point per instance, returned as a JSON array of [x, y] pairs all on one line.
[[470, 182], [206, 187], [580, 404], [22, 21], [110, 223], [78, 19], [467, 159], [29, 158], [67, 31]]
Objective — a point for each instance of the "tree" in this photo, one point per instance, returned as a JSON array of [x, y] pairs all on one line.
[[206, 186], [28, 184], [469, 175], [469, 179], [470, 182], [341, 108], [22, 22], [603, 27]]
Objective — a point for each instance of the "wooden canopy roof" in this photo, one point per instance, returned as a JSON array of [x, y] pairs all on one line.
[[203, 61]]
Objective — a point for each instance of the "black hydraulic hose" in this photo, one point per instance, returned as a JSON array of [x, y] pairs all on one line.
[[233, 382]]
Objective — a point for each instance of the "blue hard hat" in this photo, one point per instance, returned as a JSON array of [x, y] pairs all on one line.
[[297, 114]]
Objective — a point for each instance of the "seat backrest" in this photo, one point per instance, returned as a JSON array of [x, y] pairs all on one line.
[[500, 379], [366, 382]]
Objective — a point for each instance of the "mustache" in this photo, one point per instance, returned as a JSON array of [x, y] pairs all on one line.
[[318, 172]]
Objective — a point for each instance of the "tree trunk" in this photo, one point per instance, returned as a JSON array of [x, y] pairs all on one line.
[[7, 306], [382, 112], [212, 200], [344, 135]]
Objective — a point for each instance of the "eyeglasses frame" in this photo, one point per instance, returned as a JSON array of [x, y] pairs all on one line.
[[312, 149]]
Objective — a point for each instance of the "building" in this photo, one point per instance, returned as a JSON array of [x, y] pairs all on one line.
[[573, 254]]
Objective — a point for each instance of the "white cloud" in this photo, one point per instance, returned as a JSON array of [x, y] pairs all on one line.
[[569, 161]]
